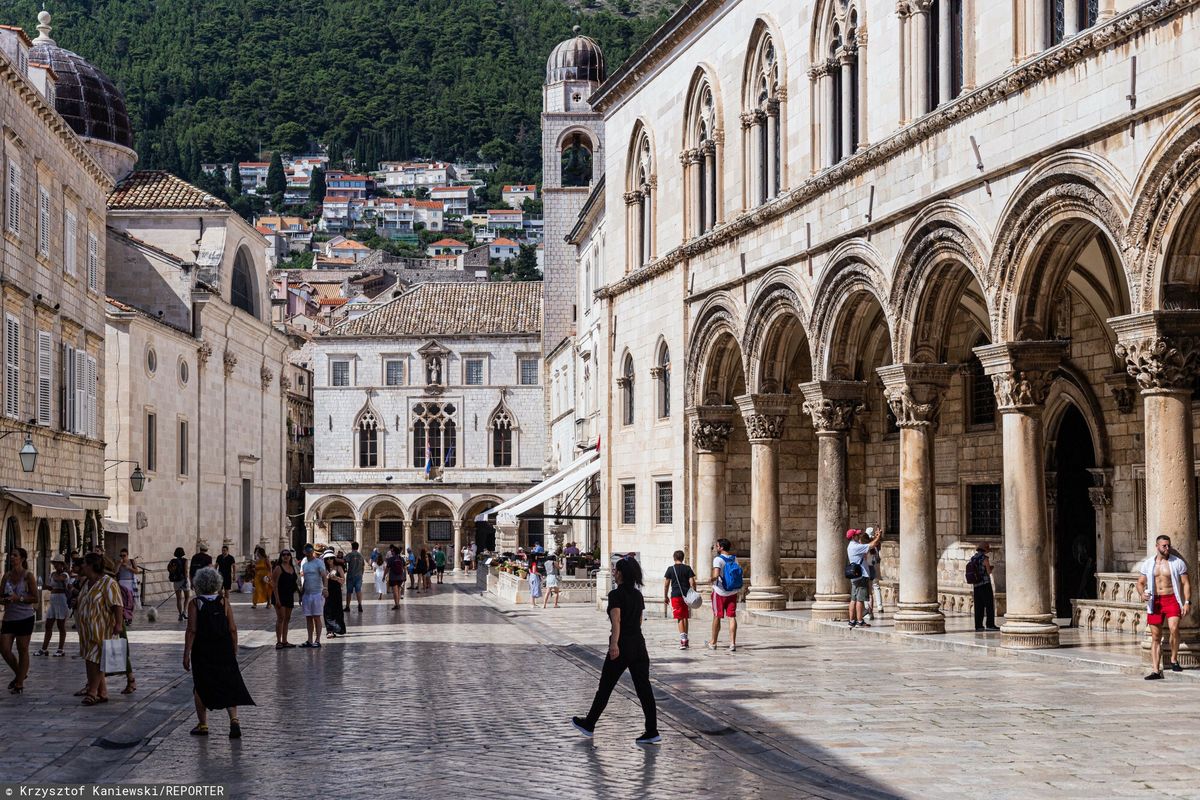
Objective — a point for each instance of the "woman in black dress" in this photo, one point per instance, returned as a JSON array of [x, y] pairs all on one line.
[[335, 615], [626, 651], [210, 645], [283, 593]]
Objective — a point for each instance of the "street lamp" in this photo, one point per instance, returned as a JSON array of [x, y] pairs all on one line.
[[137, 479], [28, 453]]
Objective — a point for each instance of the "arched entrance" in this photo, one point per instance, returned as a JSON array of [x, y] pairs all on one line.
[[482, 532], [43, 552], [1074, 518]]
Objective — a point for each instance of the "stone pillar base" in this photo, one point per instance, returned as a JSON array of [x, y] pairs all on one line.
[[920, 619], [831, 607], [768, 598], [1028, 635]]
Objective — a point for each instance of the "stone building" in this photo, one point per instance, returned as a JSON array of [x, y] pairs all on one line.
[[197, 395], [942, 278], [297, 386], [427, 414], [55, 179]]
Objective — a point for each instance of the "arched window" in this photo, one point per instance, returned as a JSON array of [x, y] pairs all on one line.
[[502, 438], [839, 80], [577, 160], [12, 536], [762, 120], [640, 190], [367, 428], [626, 384], [1065, 18], [242, 292], [662, 379], [702, 157], [942, 22], [435, 436]]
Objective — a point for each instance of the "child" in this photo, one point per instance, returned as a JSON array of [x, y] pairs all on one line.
[[58, 611], [535, 582]]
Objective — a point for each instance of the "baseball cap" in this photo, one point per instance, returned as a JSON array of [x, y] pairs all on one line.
[[850, 534]]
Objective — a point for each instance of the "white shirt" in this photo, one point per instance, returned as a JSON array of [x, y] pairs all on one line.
[[1178, 567], [719, 564]]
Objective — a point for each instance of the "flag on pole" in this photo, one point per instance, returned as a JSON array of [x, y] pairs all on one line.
[[428, 457], [448, 461]]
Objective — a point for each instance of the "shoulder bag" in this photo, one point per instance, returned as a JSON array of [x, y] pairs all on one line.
[[690, 595]]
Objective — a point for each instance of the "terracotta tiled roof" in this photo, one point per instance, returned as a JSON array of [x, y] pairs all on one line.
[[150, 189], [448, 243], [520, 187], [454, 309], [502, 212], [349, 244], [325, 291], [502, 242]]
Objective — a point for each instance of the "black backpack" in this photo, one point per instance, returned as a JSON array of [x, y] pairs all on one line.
[[975, 569]]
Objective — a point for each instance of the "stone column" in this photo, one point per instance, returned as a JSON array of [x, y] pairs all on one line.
[[945, 67], [647, 225], [845, 60], [1022, 373], [1039, 33], [710, 428], [694, 182], [460, 528], [832, 406], [1108, 9], [758, 157], [633, 227], [710, 189], [905, 83], [914, 392], [920, 17], [764, 415], [358, 531], [1161, 350], [772, 135], [1070, 18], [1100, 494], [827, 88], [507, 536]]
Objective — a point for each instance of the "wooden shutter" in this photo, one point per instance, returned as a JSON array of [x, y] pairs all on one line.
[[12, 366], [93, 384], [14, 198], [45, 377], [70, 244], [80, 426], [44, 222], [93, 263]]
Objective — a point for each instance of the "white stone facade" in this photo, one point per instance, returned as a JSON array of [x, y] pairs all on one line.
[[1040, 201]]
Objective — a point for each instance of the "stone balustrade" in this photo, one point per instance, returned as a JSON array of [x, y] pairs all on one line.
[[1117, 607]]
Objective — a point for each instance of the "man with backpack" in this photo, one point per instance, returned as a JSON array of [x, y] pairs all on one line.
[[857, 570], [979, 575], [726, 584]]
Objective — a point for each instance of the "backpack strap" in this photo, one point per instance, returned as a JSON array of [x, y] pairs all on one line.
[[678, 585]]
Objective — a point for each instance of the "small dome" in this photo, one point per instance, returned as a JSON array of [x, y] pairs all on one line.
[[576, 59], [84, 96]]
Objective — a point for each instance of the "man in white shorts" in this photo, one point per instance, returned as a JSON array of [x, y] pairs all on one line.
[[312, 598]]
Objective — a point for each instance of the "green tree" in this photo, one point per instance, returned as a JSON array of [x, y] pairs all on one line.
[[276, 179], [235, 180], [526, 268], [291, 137], [316, 186]]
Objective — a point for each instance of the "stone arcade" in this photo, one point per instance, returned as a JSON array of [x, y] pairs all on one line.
[[943, 277]]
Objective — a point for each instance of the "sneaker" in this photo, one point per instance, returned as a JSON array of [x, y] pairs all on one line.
[[853, 623], [181, 617], [1175, 667], [59, 654], [683, 645], [582, 726], [1154, 676], [993, 627], [711, 645], [307, 644], [649, 737], [41, 651], [733, 648], [235, 729]]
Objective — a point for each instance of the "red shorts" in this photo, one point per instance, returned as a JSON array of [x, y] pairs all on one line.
[[1165, 607], [724, 605], [679, 609]]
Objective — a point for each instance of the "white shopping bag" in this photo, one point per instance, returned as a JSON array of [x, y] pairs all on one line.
[[113, 656]]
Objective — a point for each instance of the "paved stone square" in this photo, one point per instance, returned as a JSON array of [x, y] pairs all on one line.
[[457, 695]]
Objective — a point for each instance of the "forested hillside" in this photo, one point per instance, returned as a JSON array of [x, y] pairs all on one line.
[[216, 80]]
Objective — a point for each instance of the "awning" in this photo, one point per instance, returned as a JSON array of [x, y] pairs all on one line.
[[47, 505], [113, 526], [574, 473], [90, 502]]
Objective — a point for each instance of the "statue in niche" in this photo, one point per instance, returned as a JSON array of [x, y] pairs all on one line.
[[433, 370]]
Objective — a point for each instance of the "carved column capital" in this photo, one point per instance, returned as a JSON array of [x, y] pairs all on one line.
[[1161, 349], [265, 376], [718, 136], [204, 352], [710, 427], [747, 119], [230, 360], [1021, 372], [633, 198], [920, 6], [833, 404], [914, 392], [764, 415], [1123, 389], [285, 382], [846, 53], [1100, 493]]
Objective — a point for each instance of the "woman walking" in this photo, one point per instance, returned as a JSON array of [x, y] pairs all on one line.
[[210, 646], [380, 576], [335, 615], [535, 581], [18, 592], [283, 587], [262, 578], [551, 581], [127, 572], [626, 651], [99, 616], [59, 608], [177, 571]]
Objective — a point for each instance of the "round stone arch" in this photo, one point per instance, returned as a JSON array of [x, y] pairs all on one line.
[[578, 136], [776, 337], [941, 266], [378, 513], [245, 288], [1164, 228], [1059, 208], [853, 275], [427, 509], [327, 509], [708, 353]]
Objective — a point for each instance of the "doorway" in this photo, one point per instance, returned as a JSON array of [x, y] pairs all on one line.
[[1075, 519]]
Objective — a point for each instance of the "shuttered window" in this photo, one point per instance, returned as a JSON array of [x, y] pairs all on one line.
[[45, 377], [80, 393], [44, 222], [66, 402], [93, 263], [70, 243], [12, 366], [93, 385], [14, 199]]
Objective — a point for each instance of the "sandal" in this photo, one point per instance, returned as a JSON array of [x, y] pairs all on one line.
[[82, 692], [130, 688], [279, 645], [90, 700], [199, 730]]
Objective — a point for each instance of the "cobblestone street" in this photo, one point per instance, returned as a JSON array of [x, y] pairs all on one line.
[[456, 696]]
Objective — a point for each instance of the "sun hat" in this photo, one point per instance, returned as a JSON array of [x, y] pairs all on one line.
[[328, 554], [58, 558], [870, 531]]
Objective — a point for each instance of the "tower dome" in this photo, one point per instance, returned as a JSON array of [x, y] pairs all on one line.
[[576, 59], [88, 100]]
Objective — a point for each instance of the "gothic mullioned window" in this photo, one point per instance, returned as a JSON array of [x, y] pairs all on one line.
[[762, 119], [662, 380], [640, 190], [701, 157], [435, 435], [367, 429], [626, 384], [940, 23], [502, 438], [1065, 18], [840, 83]]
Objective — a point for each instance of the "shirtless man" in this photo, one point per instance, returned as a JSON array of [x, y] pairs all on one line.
[[1168, 594]]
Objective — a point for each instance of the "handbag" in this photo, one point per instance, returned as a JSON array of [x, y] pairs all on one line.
[[691, 596], [853, 571], [114, 654]]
